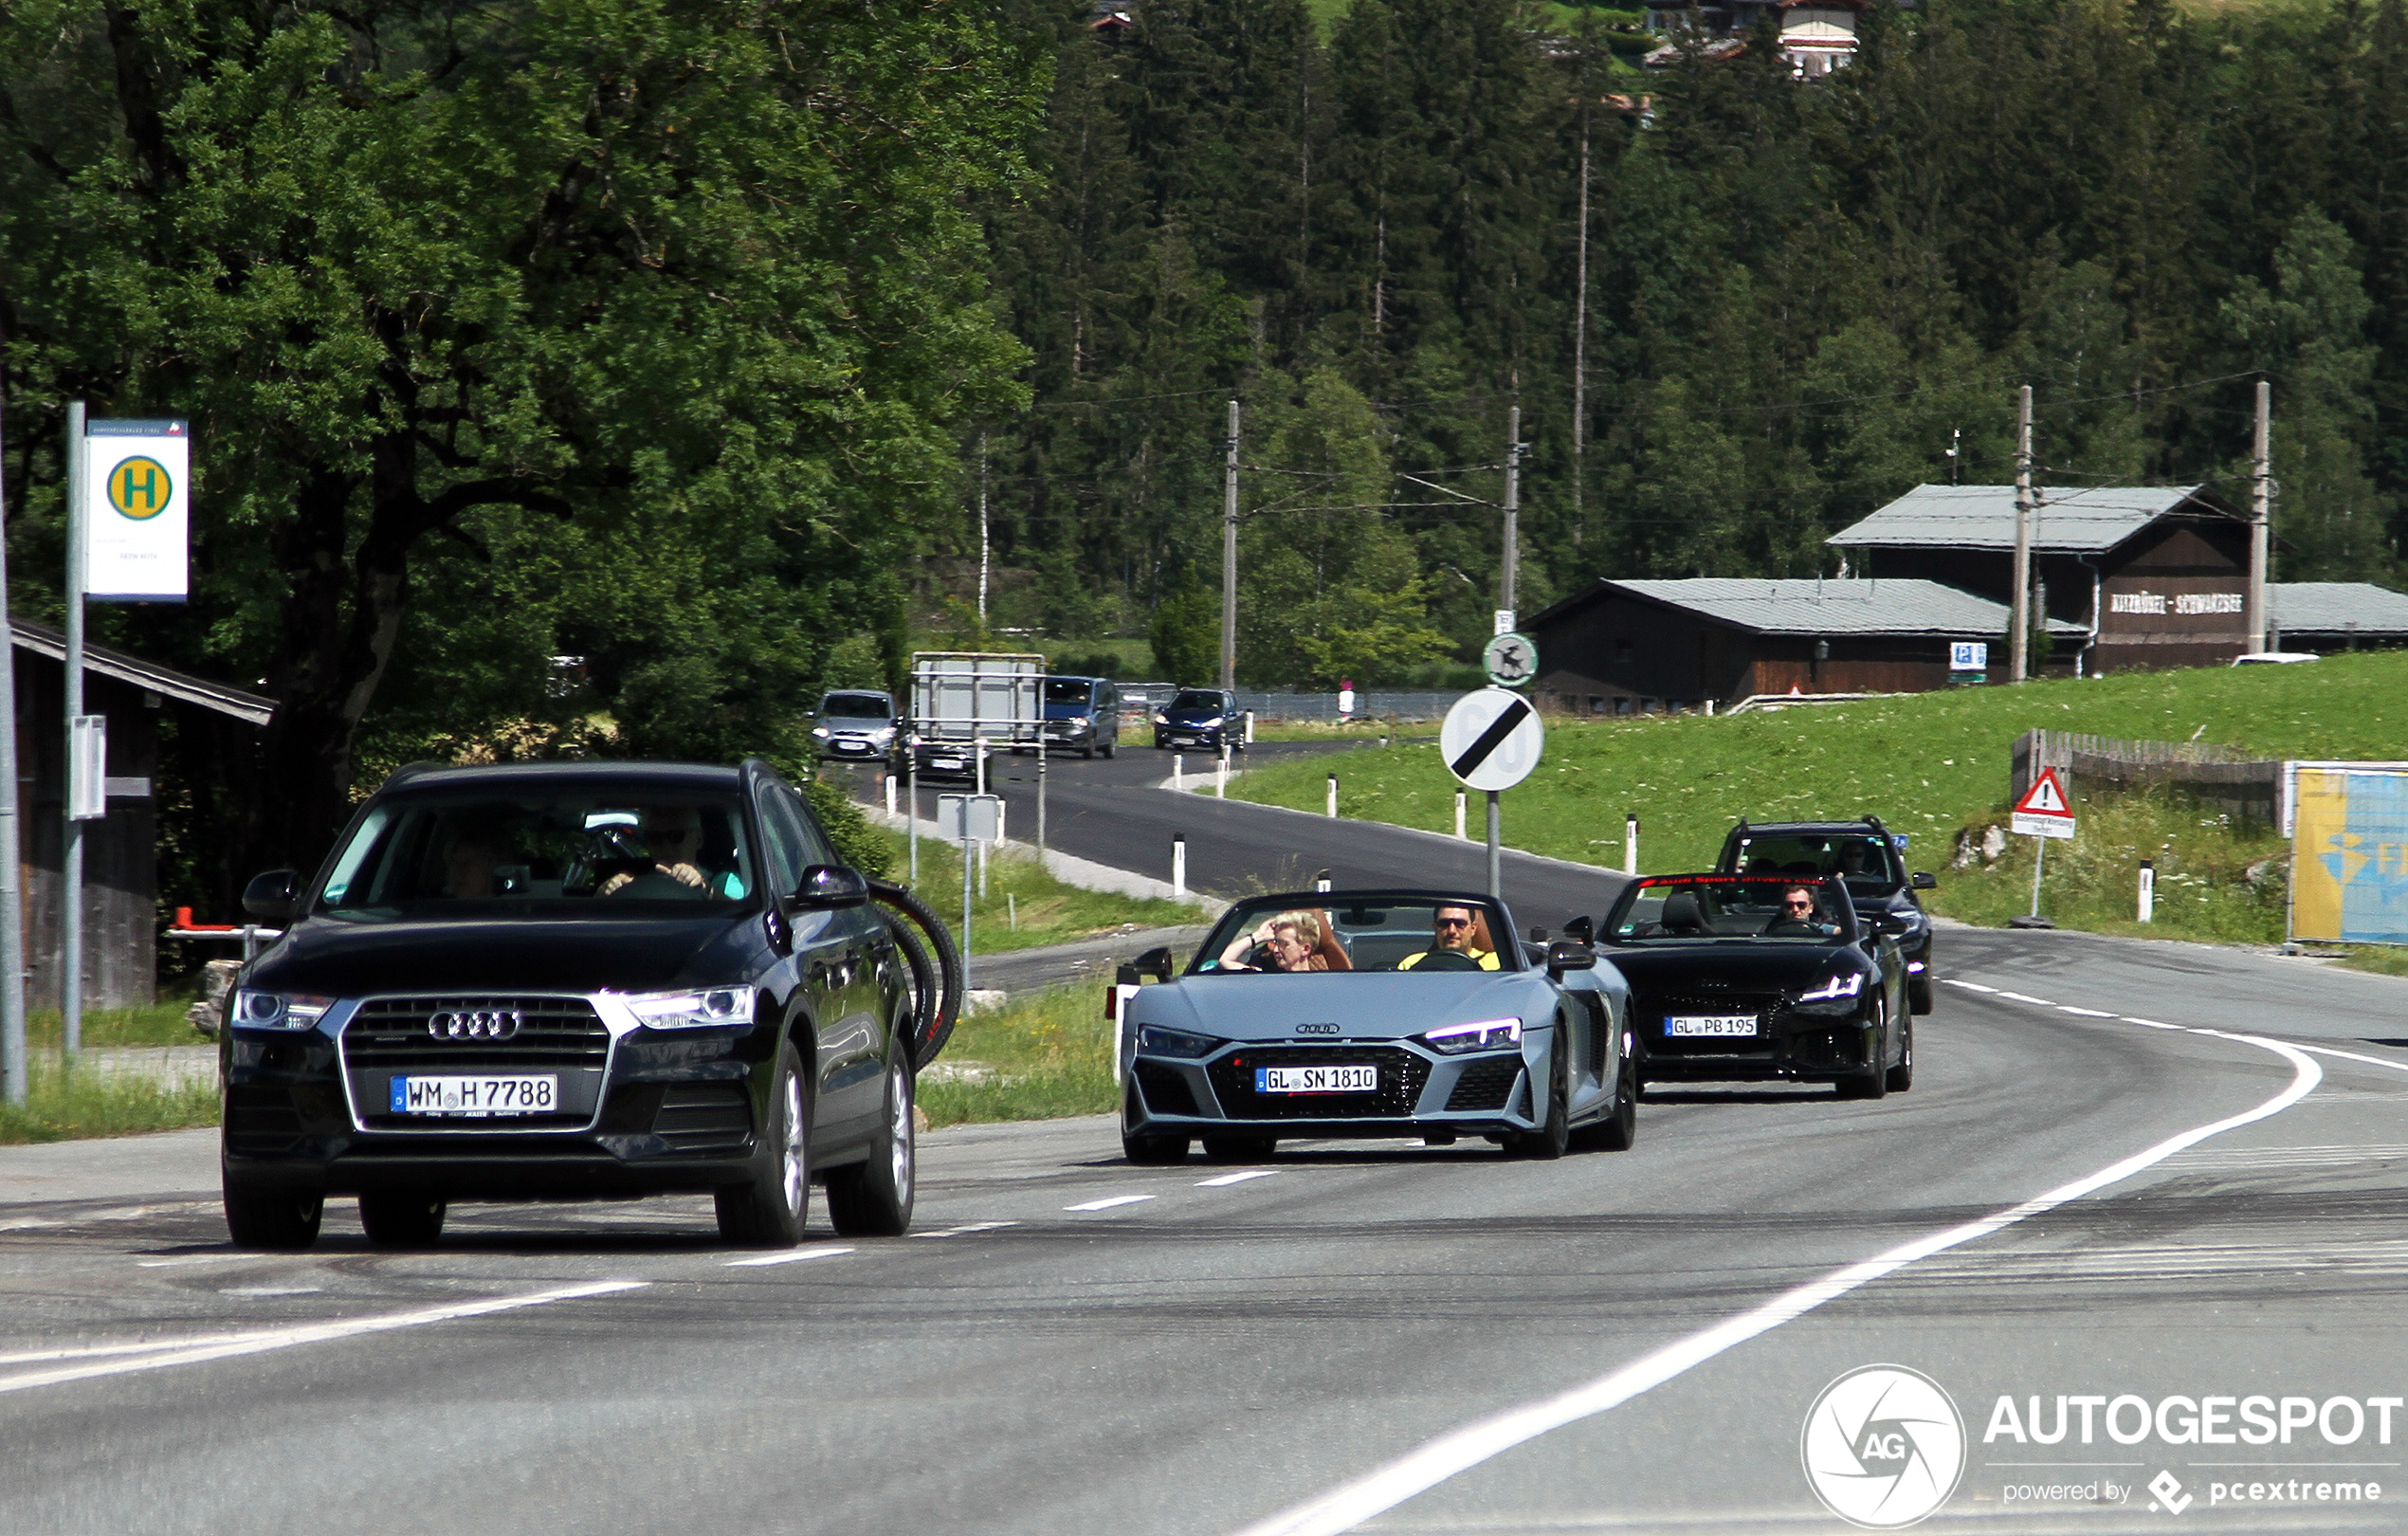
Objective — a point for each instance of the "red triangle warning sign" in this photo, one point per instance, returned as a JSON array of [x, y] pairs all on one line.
[[2046, 797]]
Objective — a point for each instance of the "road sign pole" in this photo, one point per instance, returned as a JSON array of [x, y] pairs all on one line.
[[1496, 881], [2039, 861], [71, 870]]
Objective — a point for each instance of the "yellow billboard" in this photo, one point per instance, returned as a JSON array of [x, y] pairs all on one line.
[[2349, 852]]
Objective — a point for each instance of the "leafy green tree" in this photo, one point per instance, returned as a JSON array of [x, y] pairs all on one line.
[[1186, 636]]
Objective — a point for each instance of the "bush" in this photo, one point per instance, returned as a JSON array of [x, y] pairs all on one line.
[[858, 843]]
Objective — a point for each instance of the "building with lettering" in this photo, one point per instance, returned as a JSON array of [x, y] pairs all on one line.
[[2153, 576]]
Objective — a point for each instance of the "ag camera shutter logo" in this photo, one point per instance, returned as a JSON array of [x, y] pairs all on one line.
[[1883, 1447]]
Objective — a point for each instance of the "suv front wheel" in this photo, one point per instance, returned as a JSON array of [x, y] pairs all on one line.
[[872, 1198], [768, 1209]]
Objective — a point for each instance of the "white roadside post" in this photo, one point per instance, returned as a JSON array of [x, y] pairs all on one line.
[[1178, 865], [1178, 769], [1631, 844], [1460, 834], [2045, 812], [1333, 795], [1220, 775], [2149, 890], [1491, 742]]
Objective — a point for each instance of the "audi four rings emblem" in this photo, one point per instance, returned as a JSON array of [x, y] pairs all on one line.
[[482, 1024]]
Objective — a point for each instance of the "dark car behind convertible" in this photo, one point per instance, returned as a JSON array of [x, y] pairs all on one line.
[[564, 980]]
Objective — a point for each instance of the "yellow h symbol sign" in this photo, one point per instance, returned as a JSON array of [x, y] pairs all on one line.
[[139, 488]]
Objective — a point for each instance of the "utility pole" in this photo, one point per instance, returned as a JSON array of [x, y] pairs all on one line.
[[982, 532], [2261, 497], [1512, 515], [1229, 558], [1580, 339], [14, 1084], [2018, 623], [71, 874]]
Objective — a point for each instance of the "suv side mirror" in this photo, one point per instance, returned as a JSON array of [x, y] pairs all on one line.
[[271, 897], [1570, 955], [829, 886], [1920, 881], [1155, 963]]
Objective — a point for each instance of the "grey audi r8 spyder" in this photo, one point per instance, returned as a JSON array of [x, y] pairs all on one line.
[[1755, 977], [1374, 1013]]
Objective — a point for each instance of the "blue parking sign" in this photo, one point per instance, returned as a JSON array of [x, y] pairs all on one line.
[[1968, 655]]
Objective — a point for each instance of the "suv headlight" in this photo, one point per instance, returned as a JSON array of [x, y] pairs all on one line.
[[1153, 1040], [692, 1010], [1485, 1035], [251, 1009]]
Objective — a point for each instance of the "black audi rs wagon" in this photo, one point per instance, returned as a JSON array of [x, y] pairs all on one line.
[[564, 980]]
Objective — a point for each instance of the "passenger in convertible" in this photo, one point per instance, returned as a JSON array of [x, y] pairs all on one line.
[[1290, 941]]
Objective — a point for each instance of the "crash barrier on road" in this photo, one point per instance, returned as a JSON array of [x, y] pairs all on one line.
[[2248, 789]]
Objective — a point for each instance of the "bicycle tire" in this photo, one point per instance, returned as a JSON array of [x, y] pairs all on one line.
[[939, 1007]]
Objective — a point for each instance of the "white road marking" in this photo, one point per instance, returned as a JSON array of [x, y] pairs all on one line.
[[798, 1256], [24, 1223], [1234, 1179], [1345, 1508], [2352, 1056], [1969, 986], [2086, 1013], [270, 1291], [195, 1352], [2020, 996], [964, 1232], [1108, 1203], [192, 1258], [2129, 1018]]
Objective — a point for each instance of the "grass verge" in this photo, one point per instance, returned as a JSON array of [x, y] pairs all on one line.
[[62, 1105], [1044, 1055], [158, 1024], [1024, 905]]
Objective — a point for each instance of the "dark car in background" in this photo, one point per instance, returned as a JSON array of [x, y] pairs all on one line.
[[1869, 858], [856, 725], [1081, 715], [1760, 977], [557, 980], [1204, 719]]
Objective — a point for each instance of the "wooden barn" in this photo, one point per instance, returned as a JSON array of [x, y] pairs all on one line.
[[2154, 576], [2329, 616], [121, 919], [1629, 647]]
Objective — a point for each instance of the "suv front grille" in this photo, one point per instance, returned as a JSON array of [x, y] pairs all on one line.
[[552, 1032], [1401, 1076]]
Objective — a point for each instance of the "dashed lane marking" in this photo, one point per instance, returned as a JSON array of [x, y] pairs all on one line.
[[966, 1231], [798, 1256], [2021, 997], [1226, 1180], [1109, 1201], [2086, 1013], [195, 1352], [1969, 986]]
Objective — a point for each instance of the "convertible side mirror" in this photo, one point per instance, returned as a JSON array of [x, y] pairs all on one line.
[[1920, 881], [271, 897], [1570, 955], [1156, 963], [829, 886], [1582, 929]]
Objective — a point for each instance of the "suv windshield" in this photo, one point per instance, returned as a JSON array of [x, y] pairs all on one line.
[[1067, 690], [1673, 908], [1862, 859], [608, 853], [1431, 934], [1192, 700], [856, 707]]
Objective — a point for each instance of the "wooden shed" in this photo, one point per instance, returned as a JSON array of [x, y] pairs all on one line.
[[2154, 576], [121, 919], [1625, 648]]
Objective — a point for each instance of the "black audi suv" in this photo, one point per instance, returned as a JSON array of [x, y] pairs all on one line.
[[559, 980], [1869, 858]]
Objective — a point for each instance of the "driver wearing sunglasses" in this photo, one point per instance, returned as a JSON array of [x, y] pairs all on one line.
[[1797, 914], [1451, 929]]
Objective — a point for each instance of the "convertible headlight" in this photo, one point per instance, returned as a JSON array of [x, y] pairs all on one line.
[[692, 1010], [277, 1009], [1153, 1040], [1837, 987], [1487, 1035]]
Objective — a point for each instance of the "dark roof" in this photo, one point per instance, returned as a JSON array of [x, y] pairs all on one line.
[[2337, 608], [43, 640], [1810, 607], [2066, 522], [507, 774]]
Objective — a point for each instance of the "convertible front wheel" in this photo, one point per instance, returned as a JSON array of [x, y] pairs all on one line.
[[1553, 1136]]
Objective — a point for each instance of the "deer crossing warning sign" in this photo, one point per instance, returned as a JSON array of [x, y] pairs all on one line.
[[2044, 810]]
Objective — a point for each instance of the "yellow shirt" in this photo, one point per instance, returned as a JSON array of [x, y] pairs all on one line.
[[1486, 958]]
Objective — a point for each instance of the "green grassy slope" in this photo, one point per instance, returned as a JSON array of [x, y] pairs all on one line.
[[1927, 763]]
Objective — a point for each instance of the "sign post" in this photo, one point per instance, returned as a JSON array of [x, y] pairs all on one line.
[[969, 819], [129, 504], [2045, 812], [1491, 742]]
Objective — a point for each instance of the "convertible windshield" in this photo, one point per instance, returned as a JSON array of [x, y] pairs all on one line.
[[611, 853], [1197, 701], [1862, 861], [1673, 909], [1342, 933]]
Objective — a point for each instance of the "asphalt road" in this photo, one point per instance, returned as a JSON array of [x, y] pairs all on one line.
[[1068, 1343]]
